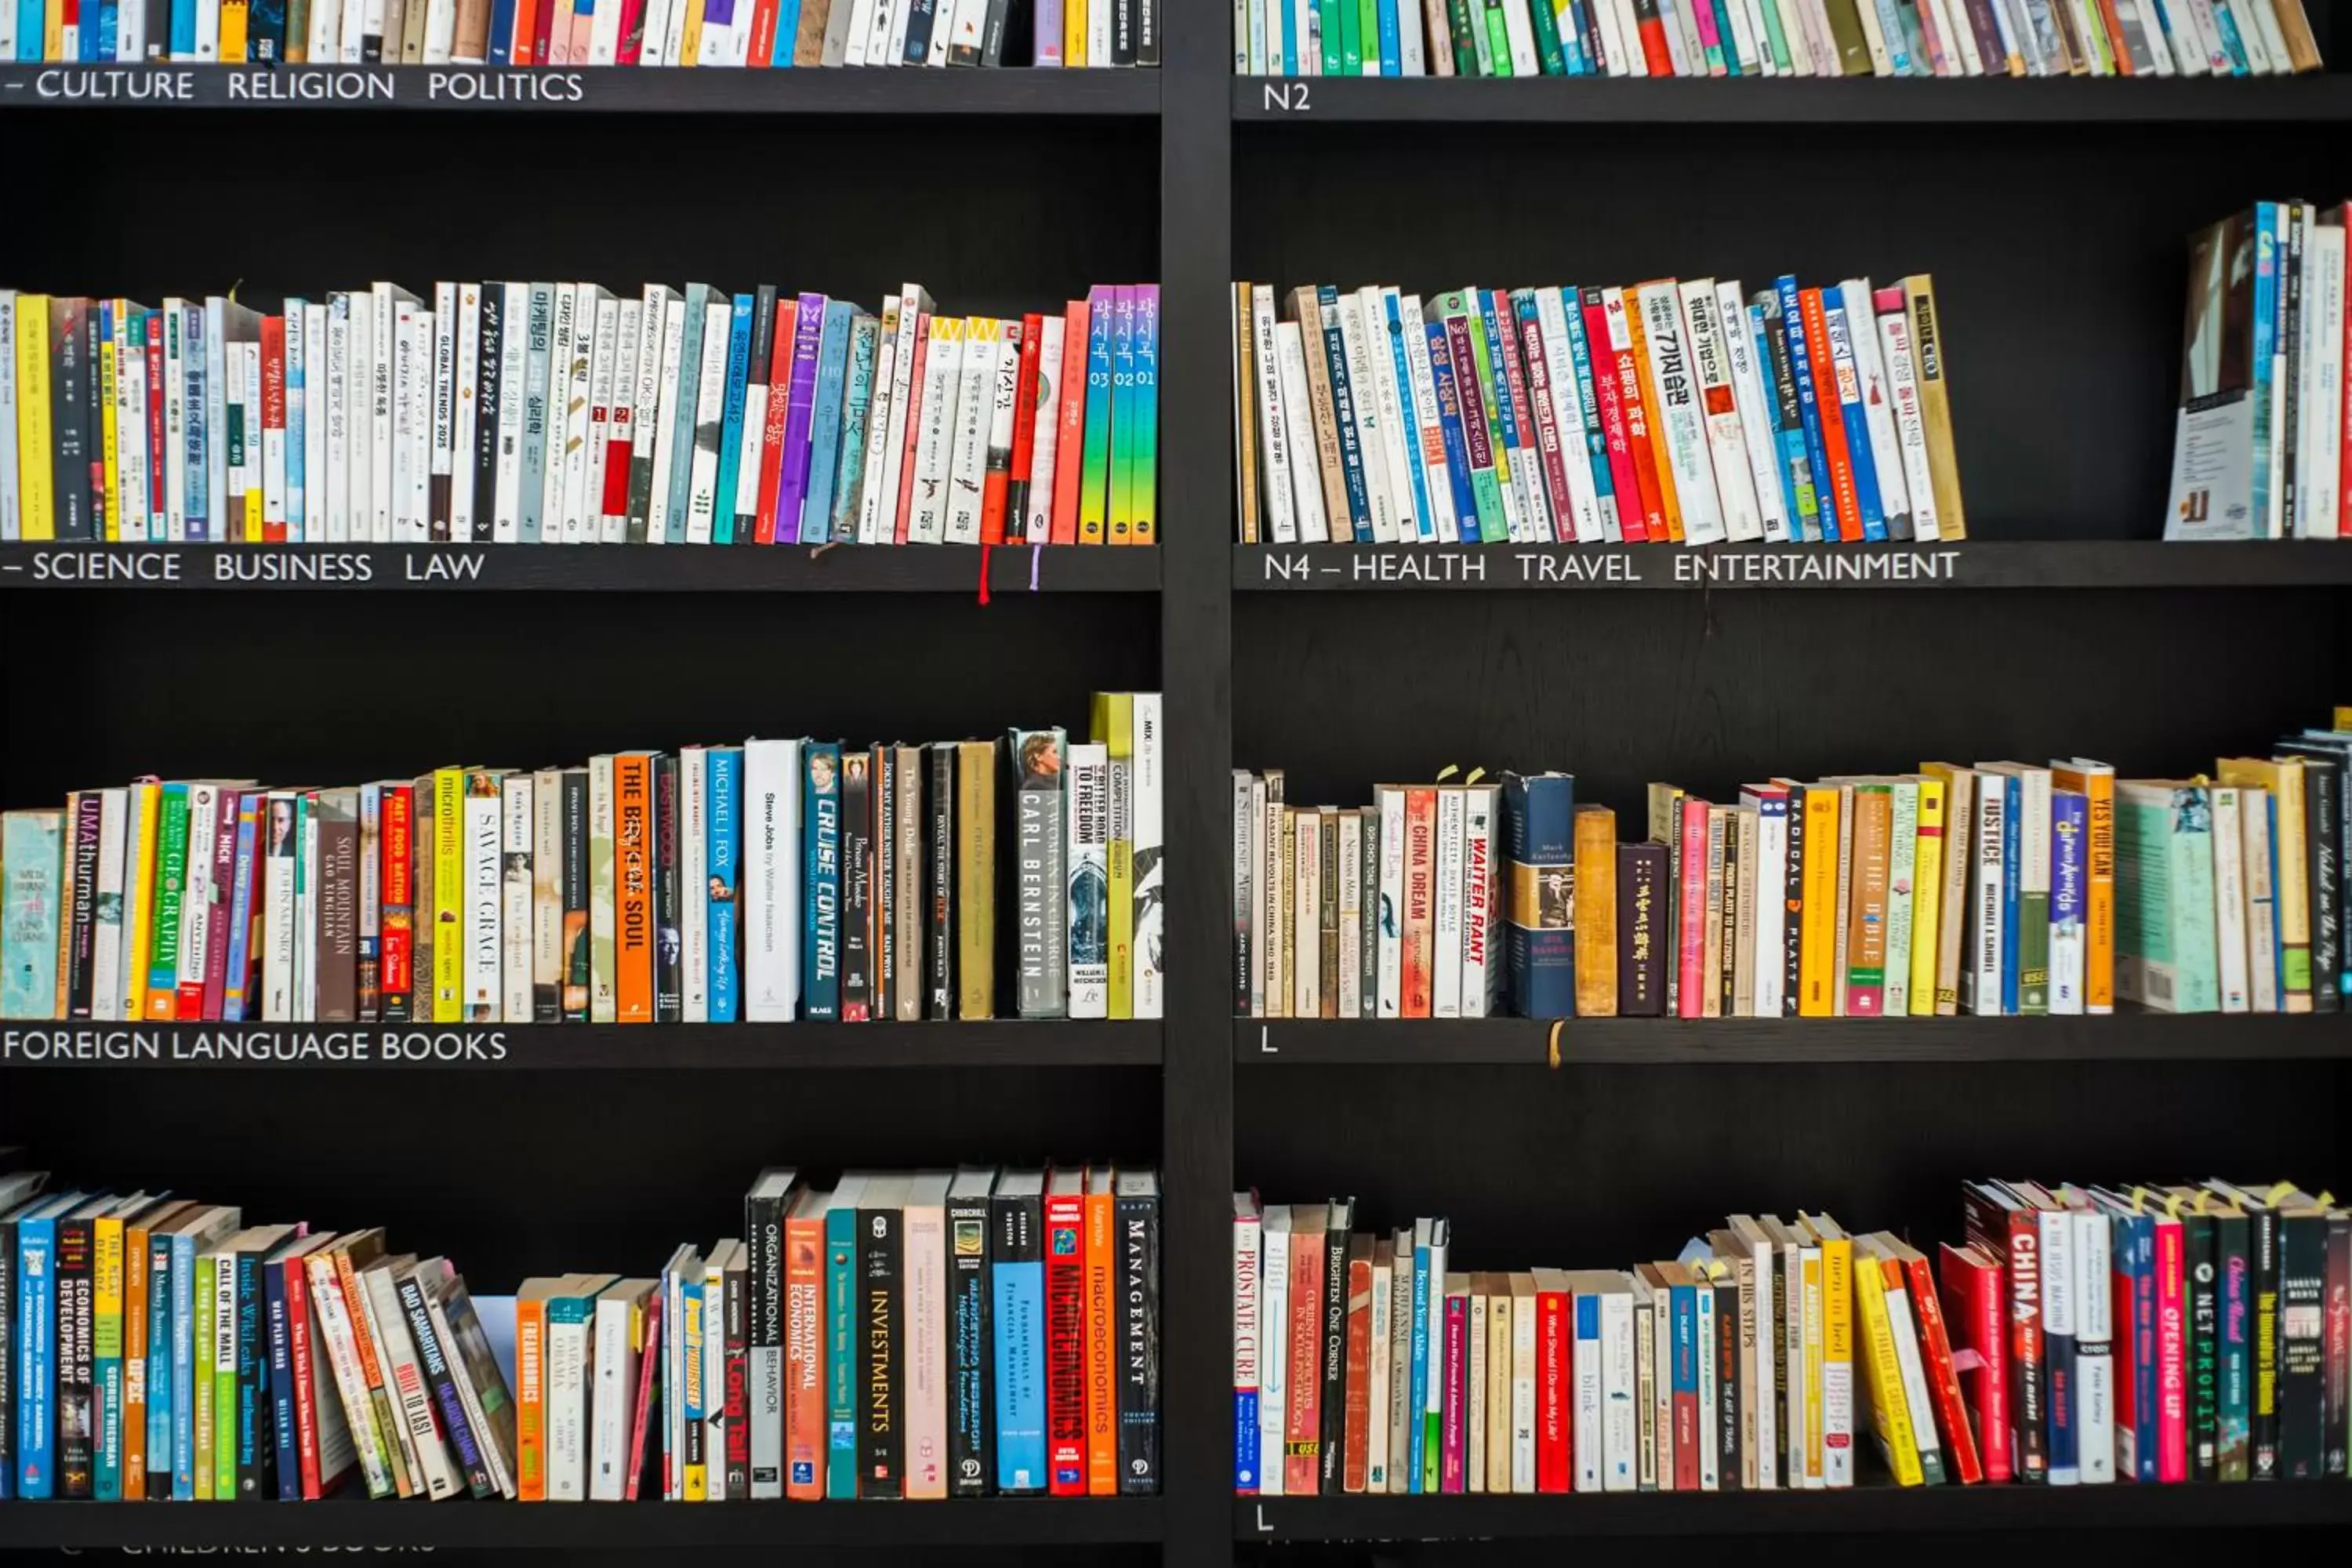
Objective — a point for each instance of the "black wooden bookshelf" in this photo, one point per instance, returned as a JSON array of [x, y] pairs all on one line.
[[2053, 215]]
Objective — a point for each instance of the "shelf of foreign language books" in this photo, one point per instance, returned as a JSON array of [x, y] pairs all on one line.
[[975, 1530], [982, 571], [1498, 1521], [1952, 563], [1110, 94], [1862, 102], [2129, 1036]]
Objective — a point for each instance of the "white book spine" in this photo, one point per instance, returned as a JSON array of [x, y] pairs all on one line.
[[574, 371], [1523, 1391], [1902, 863], [106, 959], [1088, 860], [1445, 924], [515, 798], [547, 887], [220, 525], [612, 1381], [1763, 1362], [1397, 445], [11, 497], [1484, 970], [1274, 1356], [771, 882], [1904, 1323], [514, 356], [1756, 413], [2159, 45], [1710, 1445], [1980, 976], [314, 425], [664, 450], [1150, 809], [1350, 826], [2095, 1365], [465, 410], [1369, 432], [757, 397], [924, 1238], [711, 399], [1802, 1464], [861, 27], [415, 504], [1390, 944], [305, 919], [693, 874], [230, 526], [1878, 412], [1305, 911], [396, 1348], [336, 473], [968, 448], [1771, 911], [383, 309], [485, 946], [612, 506], [1577, 514], [934, 446], [1280, 525], [1303, 485], [441, 34], [1052, 331], [2321, 448], [1429, 429], [912, 333], [1710, 367], [1474, 1437], [1910, 423], [277, 923], [1588, 1442], [645, 412], [2229, 900], [567, 1361], [878, 427], [1677, 421], [1620, 1434], [405, 355]]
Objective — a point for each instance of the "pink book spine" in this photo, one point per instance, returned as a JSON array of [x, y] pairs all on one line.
[[584, 31], [2171, 1379], [631, 49], [926, 1352], [223, 888], [914, 422], [1708, 38], [559, 34], [1690, 949], [1454, 1424]]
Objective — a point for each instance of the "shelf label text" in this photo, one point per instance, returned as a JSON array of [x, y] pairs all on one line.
[[232, 1045]]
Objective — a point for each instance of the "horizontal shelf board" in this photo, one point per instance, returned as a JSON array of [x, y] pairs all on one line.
[[2131, 1036], [1962, 564], [370, 1048], [641, 1526], [585, 568], [1855, 101], [605, 89], [1867, 1507]]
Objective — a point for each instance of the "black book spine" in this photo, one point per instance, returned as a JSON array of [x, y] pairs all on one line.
[[76, 1454], [763, 349], [256, 1446], [971, 1415], [8, 1361], [881, 1353], [1138, 1218], [763, 1245], [486, 414], [433, 1359], [856, 886], [669, 980], [885, 960], [576, 896], [1792, 893], [1147, 32], [2338, 1403], [1642, 954], [1334, 1435], [2263, 1241], [938, 969], [81, 939], [2200, 1240], [2289, 410], [2323, 787], [1122, 32], [69, 442], [2302, 1346], [919, 22], [1729, 1410], [734, 1314]]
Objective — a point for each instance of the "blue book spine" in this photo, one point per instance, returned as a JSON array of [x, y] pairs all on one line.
[[253, 1391], [722, 849], [1289, 63], [1857, 422], [2145, 1455], [731, 436], [840, 1362], [1020, 1377], [502, 21], [681, 433], [159, 1367], [35, 1352], [1512, 454], [1449, 426], [1588, 1332], [31, 12], [1343, 407], [1588, 410], [821, 879], [2232, 1344], [281, 1388], [1683, 1300], [1419, 1398], [183, 1368], [1572, 42], [1808, 408], [2268, 296], [198, 505], [240, 917], [97, 40], [2012, 807], [1790, 444], [824, 431], [1392, 46], [2234, 46], [1538, 832], [788, 29], [2070, 825], [1426, 526], [2278, 965], [298, 420]]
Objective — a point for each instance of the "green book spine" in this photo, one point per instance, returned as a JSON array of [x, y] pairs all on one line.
[[225, 1381], [1774, 38], [1328, 11], [1498, 37], [2195, 956], [202, 1385], [1368, 19], [1457, 24], [1094, 468], [171, 882], [2033, 900], [1548, 56], [1351, 38], [1492, 528], [1122, 414]]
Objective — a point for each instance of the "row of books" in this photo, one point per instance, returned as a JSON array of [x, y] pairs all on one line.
[[2083, 1335], [555, 412], [2002, 889], [754, 883], [922, 1334], [760, 34], [166, 1350], [1686, 411], [2260, 449], [930, 1334], [1773, 37]]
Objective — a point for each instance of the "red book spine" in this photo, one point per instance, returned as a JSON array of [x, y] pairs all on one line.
[[1654, 51], [273, 417], [1943, 1381], [1066, 1349], [542, 28], [1683, 1304], [763, 35], [631, 49], [224, 853], [1690, 899], [2171, 1371], [155, 414], [1647, 490], [306, 1393], [1625, 489], [1454, 1420], [399, 890], [2122, 1302], [1554, 1382], [1069, 445], [1976, 1289], [617, 446], [738, 1386], [1302, 1415], [2029, 1391], [1024, 420], [1523, 408], [526, 27], [1846, 501], [1420, 897], [648, 1359], [1355, 1459], [780, 403], [922, 331]]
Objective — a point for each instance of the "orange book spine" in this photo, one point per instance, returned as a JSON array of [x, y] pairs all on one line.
[[1595, 861], [633, 879], [2097, 787], [1866, 975], [1817, 941], [805, 1391], [1420, 896], [1355, 1459], [134, 1363], [1069, 446], [2114, 23], [1102, 1398], [1302, 1416], [526, 28], [531, 1399], [1650, 457], [1943, 1376], [1843, 496]]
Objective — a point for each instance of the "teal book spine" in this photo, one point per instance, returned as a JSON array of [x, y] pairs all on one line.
[[679, 437], [1122, 414], [730, 436], [32, 878], [825, 430], [1146, 419], [857, 407], [821, 879], [2196, 959], [840, 1363]]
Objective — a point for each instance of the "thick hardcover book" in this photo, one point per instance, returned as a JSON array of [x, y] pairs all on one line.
[[1538, 813], [1641, 927], [881, 1341], [1017, 1285], [1064, 1333], [1138, 1303], [972, 1413]]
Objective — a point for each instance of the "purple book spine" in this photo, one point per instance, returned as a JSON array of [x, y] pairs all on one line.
[[224, 896], [792, 485], [1048, 43], [1457, 1393]]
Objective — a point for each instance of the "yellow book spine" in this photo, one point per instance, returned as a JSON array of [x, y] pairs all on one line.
[[1074, 36], [35, 462], [1114, 726], [1595, 905], [692, 51], [233, 13], [139, 925], [2292, 890], [1837, 1361], [1934, 405], [109, 453], [1810, 1281], [1926, 898], [976, 764], [2099, 903], [449, 895], [53, 32], [1817, 939], [1890, 1416]]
